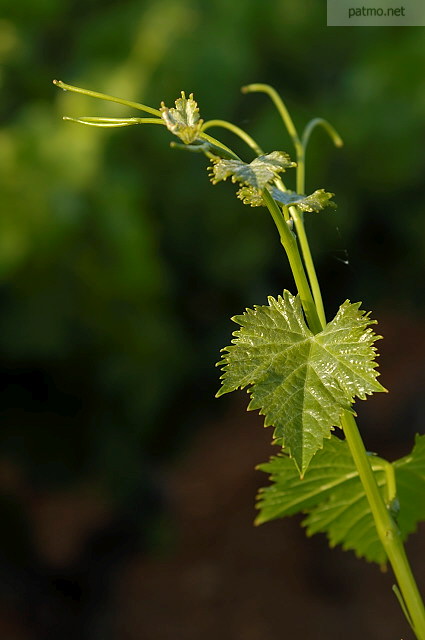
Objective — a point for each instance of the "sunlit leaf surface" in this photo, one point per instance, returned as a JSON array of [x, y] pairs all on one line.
[[316, 201], [300, 381], [257, 173]]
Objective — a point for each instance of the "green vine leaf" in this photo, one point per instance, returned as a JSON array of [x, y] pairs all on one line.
[[332, 496], [315, 202], [184, 120], [318, 200], [299, 381], [257, 173]]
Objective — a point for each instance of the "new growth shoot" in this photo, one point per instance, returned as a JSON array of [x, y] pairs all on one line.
[[302, 372]]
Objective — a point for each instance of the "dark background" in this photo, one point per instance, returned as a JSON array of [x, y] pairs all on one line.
[[127, 491]]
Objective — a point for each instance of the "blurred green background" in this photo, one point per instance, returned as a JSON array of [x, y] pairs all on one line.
[[120, 264]]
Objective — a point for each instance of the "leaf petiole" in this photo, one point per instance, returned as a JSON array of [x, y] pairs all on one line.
[[290, 245], [224, 124], [309, 264]]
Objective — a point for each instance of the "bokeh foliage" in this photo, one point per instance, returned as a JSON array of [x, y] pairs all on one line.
[[119, 264]]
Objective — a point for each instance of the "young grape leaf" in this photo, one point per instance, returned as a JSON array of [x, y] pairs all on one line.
[[316, 201], [330, 493], [257, 173], [300, 381], [251, 196], [333, 497], [184, 120]]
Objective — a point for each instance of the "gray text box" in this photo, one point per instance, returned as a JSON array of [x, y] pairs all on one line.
[[376, 13]]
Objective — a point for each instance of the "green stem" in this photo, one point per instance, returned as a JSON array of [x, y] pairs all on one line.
[[387, 529], [219, 144], [301, 170], [289, 243], [224, 124], [402, 604], [309, 264]]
